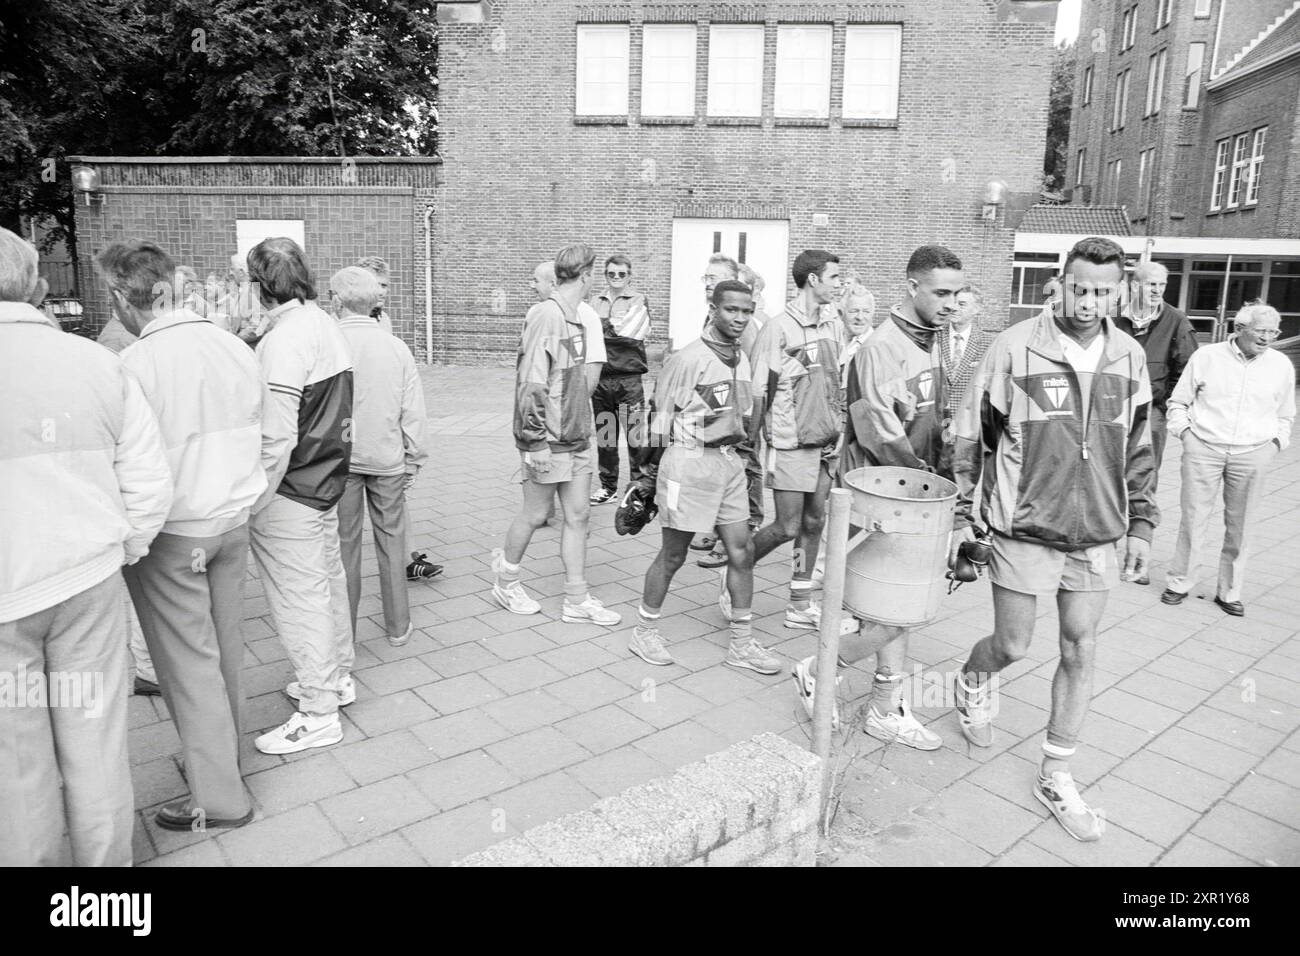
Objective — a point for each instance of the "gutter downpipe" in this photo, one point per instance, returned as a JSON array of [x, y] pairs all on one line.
[[428, 284]]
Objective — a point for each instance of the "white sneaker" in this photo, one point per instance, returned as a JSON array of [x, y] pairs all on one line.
[[724, 596], [301, 732], [347, 691], [402, 639], [753, 656], [649, 646], [590, 611], [974, 706], [1060, 795], [810, 619], [806, 687], [903, 728], [510, 596]]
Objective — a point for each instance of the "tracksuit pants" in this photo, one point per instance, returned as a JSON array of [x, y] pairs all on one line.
[[297, 552], [63, 756], [1205, 470], [189, 595], [618, 403], [382, 496]]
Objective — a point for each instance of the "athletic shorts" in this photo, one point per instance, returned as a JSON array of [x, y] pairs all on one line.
[[699, 488], [565, 466], [796, 469], [1032, 568]]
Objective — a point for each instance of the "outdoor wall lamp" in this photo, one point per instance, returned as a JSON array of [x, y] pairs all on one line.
[[995, 195], [85, 180]]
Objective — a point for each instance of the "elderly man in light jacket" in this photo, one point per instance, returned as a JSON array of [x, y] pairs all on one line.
[[86, 489], [388, 421], [205, 388]]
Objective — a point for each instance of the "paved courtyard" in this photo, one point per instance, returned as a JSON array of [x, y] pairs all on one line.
[[487, 723]]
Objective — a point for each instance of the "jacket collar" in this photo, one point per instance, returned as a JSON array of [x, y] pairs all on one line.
[[360, 321], [922, 336], [1045, 339], [627, 293], [795, 310], [15, 312], [169, 319], [728, 353]]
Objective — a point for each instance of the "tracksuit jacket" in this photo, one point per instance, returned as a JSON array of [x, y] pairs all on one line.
[[796, 366], [1169, 341], [552, 405], [1056, 472], [703, 397], [625, 319], [85, 482]]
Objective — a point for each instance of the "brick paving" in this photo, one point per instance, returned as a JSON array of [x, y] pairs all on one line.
[[487, 723]]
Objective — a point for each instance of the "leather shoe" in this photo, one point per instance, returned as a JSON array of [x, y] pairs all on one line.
[[179, 816], [1172, 597], [1235, 608]]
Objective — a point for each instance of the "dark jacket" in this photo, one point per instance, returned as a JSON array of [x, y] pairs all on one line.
[[1168, 342]]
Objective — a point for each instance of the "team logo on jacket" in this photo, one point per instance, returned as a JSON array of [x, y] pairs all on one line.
[[925, 388], [805, 355], [716, 396], [576, 346], [1052, 394]]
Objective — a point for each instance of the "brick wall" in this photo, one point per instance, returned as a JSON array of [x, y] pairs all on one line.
[[189, 207], [754, 804], [522, 178]]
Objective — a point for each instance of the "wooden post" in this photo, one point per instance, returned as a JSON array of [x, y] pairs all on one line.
[[828, 644]]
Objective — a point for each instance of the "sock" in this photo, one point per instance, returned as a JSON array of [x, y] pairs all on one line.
[[646, 617], [575, 592], [1056, 757], [509, 573], [741, 627], [886, 692], [800, 595]]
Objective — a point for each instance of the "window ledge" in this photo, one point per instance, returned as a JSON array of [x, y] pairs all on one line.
[[802, 121], [734, 120], [667, 120], [599, 120], [865, 123]]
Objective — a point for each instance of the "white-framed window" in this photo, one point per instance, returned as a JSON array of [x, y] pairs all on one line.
[[1119, 109], [1240, 164], [1192, 86], [602, 70], [1202, 8], [1080, 160], [803, 70], [1164, 11], [1146, 170], [736, 69], [1128, 29], [1220, 174], [1155, 83], [872, 60], [1256, 166], [1116, 170], [668, 69], [1086, 98]]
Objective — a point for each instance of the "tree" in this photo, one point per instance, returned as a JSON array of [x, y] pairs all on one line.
[[206, 77], [1058, 117]]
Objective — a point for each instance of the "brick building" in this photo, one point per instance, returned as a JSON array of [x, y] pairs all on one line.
[[668, 130], [1185, 114], [203, 209]]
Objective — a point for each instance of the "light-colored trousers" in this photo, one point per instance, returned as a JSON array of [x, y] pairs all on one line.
[[382, 496], [75, 730], [188, 593], [139, 649], [1204, 470], [297, 552]]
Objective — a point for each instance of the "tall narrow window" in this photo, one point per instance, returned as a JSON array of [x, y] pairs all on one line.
[[803, 71], [736, 70], [1119, 109], [1128, 29], [1146, 171], [872, 60], [1080, 160], [1164, 11], [1086, 97], [1192, 88], [1155, 83], [1202, 8], [1256, 166], [1116, 170], [1240, 163], [668, 69], [602, 70], [1220, 175]]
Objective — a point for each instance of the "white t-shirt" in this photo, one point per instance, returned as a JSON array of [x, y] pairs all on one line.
[[595, 334], [1084, 360]]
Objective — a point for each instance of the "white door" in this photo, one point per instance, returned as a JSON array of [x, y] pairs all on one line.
[[764, 244]]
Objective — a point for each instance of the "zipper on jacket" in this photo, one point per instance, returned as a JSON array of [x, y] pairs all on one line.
[[1084, 449]]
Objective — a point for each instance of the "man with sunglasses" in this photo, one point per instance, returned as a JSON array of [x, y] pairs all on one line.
[[1232, 409], [618, 402]]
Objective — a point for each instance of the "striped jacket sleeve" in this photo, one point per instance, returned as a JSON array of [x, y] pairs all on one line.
[[538, 350], [977, 426], [284, 376]]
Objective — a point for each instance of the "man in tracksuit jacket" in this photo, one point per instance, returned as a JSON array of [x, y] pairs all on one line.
[[552, 429], [896, 404], [206, 389], [619, 400], [701, 412], [306, 446], [388, 422], [86, 488], [1056, 424]]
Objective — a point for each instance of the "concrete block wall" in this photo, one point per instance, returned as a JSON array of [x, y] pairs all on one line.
[[754, 804]]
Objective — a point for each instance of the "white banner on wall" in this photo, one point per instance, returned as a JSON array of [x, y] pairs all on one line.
[[249, 232]]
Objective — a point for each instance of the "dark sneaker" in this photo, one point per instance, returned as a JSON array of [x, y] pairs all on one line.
[[421, 567], [1172, 597], [1235, 608], [180, 816]]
